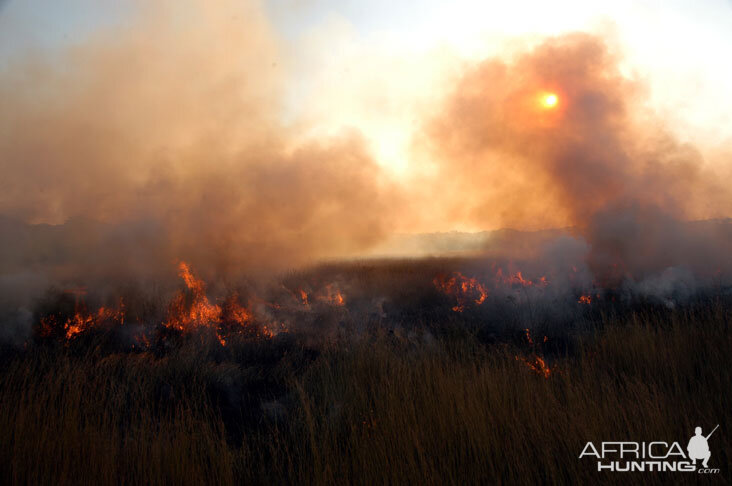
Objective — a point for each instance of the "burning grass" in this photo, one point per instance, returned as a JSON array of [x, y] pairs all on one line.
[[398, 409], [358, 389]]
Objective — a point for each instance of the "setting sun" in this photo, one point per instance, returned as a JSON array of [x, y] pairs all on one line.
[[549, 100]]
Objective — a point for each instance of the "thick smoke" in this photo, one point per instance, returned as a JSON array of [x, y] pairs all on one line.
[[597, 162], [169, 129], [163, 140]]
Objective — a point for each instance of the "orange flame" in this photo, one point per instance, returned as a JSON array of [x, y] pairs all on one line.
[[463, 288], [332, 295], [193, 311], [82, 320], [537, 365], [518, 279], [184, 316], [535, 362], [189, 310]]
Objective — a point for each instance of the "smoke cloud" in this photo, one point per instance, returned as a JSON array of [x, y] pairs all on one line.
[[164, 139], [598, 161], [168, 128]]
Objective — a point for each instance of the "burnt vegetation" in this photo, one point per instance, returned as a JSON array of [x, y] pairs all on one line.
[[437, 371]]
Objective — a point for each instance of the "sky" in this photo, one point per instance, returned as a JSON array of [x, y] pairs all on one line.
[[678, 48], [122, 110]]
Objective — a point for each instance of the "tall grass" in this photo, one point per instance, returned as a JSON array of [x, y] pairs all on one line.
[[378, 410]]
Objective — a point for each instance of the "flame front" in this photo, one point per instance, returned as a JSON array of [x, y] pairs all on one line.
[[189, 312], [186, 316], [82, 320], [470, 291], [463, 289], [192, 310]]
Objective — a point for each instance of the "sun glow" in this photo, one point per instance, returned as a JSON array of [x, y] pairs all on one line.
[[549, 100]]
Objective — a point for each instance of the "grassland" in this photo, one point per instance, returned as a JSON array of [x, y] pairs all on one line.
[[427, 404]]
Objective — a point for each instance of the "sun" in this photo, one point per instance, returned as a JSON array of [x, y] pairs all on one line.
[[549, 100]]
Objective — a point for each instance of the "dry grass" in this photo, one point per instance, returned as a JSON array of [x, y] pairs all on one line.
[[380, 409]]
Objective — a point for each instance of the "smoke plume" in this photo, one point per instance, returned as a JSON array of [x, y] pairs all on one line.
[[170, 125], [597, 161], [164, 139]]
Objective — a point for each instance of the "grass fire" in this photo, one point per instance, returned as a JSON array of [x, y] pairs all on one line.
[[255, 242]]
